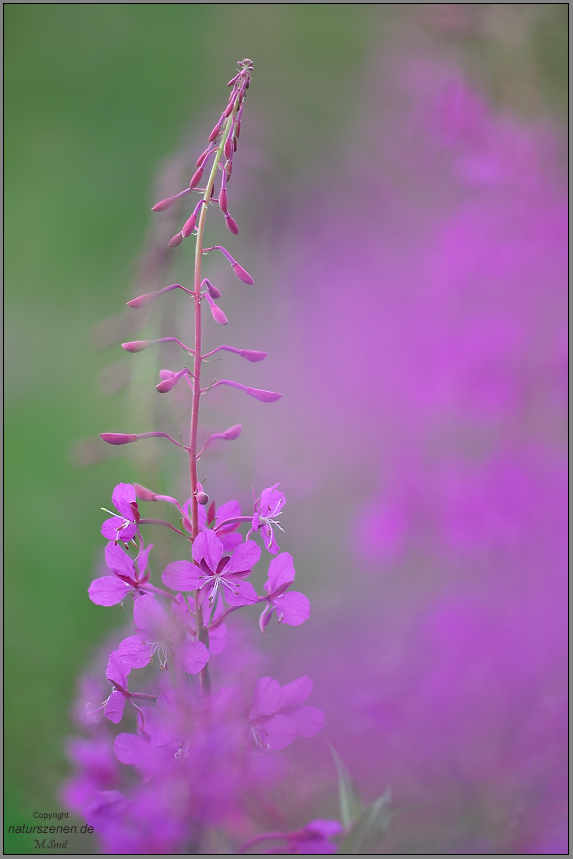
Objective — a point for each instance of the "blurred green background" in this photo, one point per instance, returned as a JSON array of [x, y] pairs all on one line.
[[96, 97]]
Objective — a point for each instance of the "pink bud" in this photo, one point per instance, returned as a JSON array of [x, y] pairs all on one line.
[[166, 374], [203, 157], [238, 129], [216, 131], [233, 432], [143, 300], [230, 107], [176, 240], [163, 204], [232, 225], [189, 226], [263, 396], [166, 385], [212, 290], [229, 168], [202, 498], [251, 355], [118, 437], [136, 345], [196, 178], [223, 203], [216, 311], [143, 493], [228, 147], [234, 80], [241, 273], [234, 144]]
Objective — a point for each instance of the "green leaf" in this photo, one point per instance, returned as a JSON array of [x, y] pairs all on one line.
[[350, 802], [370, 826]]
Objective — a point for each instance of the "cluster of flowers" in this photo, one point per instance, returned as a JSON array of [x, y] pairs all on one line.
[[200, 754]]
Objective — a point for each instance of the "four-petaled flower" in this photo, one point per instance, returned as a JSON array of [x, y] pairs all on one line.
[[129, 576], [213, 572], [163, 633], [292, 608], [122, 525], [267, 508], [278, 715]]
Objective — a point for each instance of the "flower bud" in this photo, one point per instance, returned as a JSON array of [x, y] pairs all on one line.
[[232, 225], [203, 157], [228, 168], [118, 437], [176, 240], [212, 290], [234, 144], [144, 494], [238, 129], [189, 226], [200, 494], [163, 204], [196, 178], [166, 374], [216, 311], [215, 133], [142, 300], [230, 107], [233, 432], [166, 385], [136, 345], [252, 355], [223, 202], [263, 396], [228, 149], [241, 273]]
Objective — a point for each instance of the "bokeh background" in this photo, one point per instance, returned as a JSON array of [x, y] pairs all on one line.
[[401, 195]]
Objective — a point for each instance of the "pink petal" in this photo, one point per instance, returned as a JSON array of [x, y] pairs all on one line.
[[115, 706], [117, 671], [123, 496], [208, 546], [182, 576], [113, 529], [295, 693], [244, 558], [109, 590], [131, 749], [149, 616], [278, 732], [135, 651], [143, 560], [292, 608], [239, 593], [218, 639], [118, 561], [266, 697], [230, 542], [281, 573], [192, 656], [228, 510], [309, 720]]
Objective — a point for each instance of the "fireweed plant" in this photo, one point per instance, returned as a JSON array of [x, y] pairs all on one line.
[[193, 772]]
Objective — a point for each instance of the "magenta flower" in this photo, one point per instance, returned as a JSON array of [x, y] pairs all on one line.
[[292, 608], [267, 507], [209, 517], [116, 672], [164, 634], [122, 525], [212, 572], [277, 715], [129, 576]]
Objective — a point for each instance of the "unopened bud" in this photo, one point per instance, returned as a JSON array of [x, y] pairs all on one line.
[[176, 240], [263, 396], [143, 300], [189, 226], [136, 345], [216, 311], [230, 107], [166, 385], [202, 158], [215, 133], [163, 204], [144, 494], [233, 432], [241, 273], [228, 168], [234, 144], [200, 494], [228, 147], [223, 202], [252, 355], [212, 290], [166, 374], [118, 437], [196, 178], [238, 129], [232, 225]]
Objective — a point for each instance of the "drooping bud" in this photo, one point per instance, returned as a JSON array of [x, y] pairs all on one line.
[[212, 290], [189, 226], [118, 437], [136, 345], [144, 494], [234, 144], [169, 379], [216, 131], [200, 494], [257, 393], [196, 178], [252, 355], [216, 311], [203, 157], [232, 226], [175, 240], [228, 149], [163, 204], [166, 374], [228, 168], [234, 80], [230, 107], [241, 273], [238, 129], [143, 300], [223, 202]]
